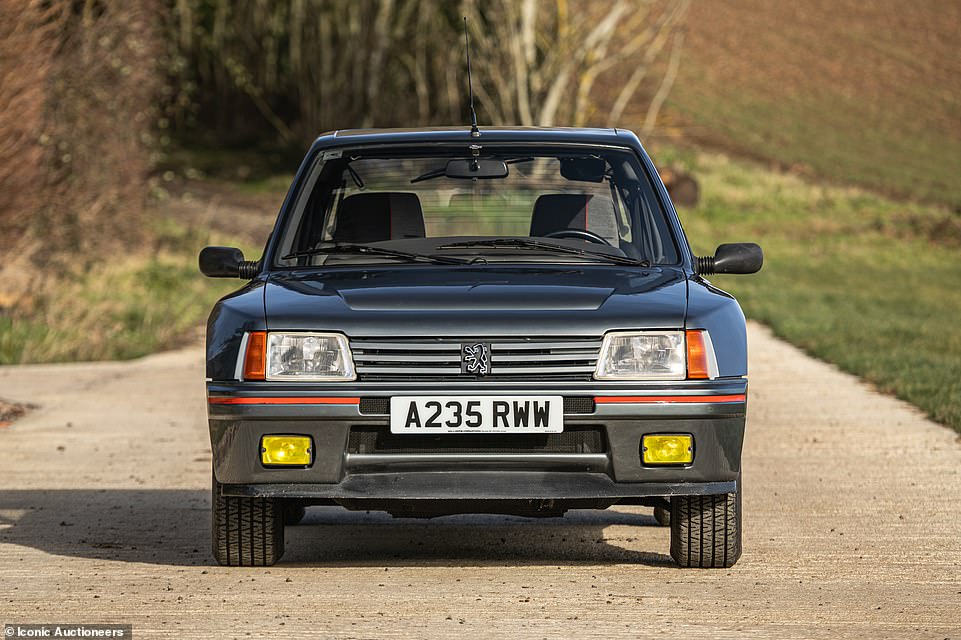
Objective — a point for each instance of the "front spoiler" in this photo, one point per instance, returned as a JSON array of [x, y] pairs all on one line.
[[479, 485], [241, 413]]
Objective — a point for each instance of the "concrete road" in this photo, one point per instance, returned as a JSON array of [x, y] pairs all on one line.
[[853, 529]]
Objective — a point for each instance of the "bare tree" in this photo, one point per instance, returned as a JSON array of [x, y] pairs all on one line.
[[538, 62], [310, 65], [77, 94], [305, 66]]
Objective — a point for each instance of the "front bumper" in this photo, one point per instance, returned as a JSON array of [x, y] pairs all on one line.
[[712, 411]]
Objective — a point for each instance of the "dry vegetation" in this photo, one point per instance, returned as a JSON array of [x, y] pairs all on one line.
[[539, 62], [76, 106], [22, 95], [146, 300], [290, 70]]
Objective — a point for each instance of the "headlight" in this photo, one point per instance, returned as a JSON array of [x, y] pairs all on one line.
[[642, 355], [315, 357]]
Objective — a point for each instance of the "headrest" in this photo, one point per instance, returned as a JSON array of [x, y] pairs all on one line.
[[557, 211], [372, 217]]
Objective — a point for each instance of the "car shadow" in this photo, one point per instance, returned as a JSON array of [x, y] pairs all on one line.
[[171, 527]]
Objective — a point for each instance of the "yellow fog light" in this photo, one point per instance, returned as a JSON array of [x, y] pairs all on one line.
[[286, 450], [667, 448]]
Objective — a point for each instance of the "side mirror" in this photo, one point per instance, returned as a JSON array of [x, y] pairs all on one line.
[[740, 257], [226, 262]]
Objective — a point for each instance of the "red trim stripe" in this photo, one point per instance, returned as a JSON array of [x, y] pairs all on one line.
[[283, 400], [597, 399], [668, 399]]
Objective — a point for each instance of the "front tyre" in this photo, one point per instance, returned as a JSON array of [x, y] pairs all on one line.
[[246, 532], [706, 530]]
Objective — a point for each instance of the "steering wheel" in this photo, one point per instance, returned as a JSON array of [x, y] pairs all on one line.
[[579, 234]]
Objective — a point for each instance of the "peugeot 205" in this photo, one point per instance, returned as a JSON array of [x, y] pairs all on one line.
[[488, 321]]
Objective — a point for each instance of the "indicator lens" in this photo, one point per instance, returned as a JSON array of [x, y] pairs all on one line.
[[255, 360], [696, 355]]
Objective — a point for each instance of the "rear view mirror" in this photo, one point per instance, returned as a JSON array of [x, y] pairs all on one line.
[[587, 169], [741, 257], [226, 262], [484, 169]]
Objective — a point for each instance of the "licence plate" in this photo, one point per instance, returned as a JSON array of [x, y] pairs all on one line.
[[477, 414]]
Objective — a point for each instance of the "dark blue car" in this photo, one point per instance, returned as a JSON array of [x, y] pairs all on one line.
[[445, 322]]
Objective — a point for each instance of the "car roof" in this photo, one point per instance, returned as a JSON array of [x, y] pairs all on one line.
[[582, 135]]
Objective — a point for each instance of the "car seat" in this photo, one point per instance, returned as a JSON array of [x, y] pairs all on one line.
[[373, 217], [559, 211]]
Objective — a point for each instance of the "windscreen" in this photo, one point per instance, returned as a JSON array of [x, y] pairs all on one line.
[[498, 205]]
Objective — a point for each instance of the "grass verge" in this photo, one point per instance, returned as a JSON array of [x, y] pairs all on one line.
[[128, 307], [865, 282]]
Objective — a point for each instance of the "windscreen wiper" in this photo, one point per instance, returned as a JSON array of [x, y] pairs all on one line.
[[430, 175], [349, 248], [537, 245]]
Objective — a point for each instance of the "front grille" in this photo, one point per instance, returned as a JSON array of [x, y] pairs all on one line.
[[578, 405], [440, 358], [574, 439], [380, 405]]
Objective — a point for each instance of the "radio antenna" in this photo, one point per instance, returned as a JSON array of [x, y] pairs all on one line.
[[474, 132]]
